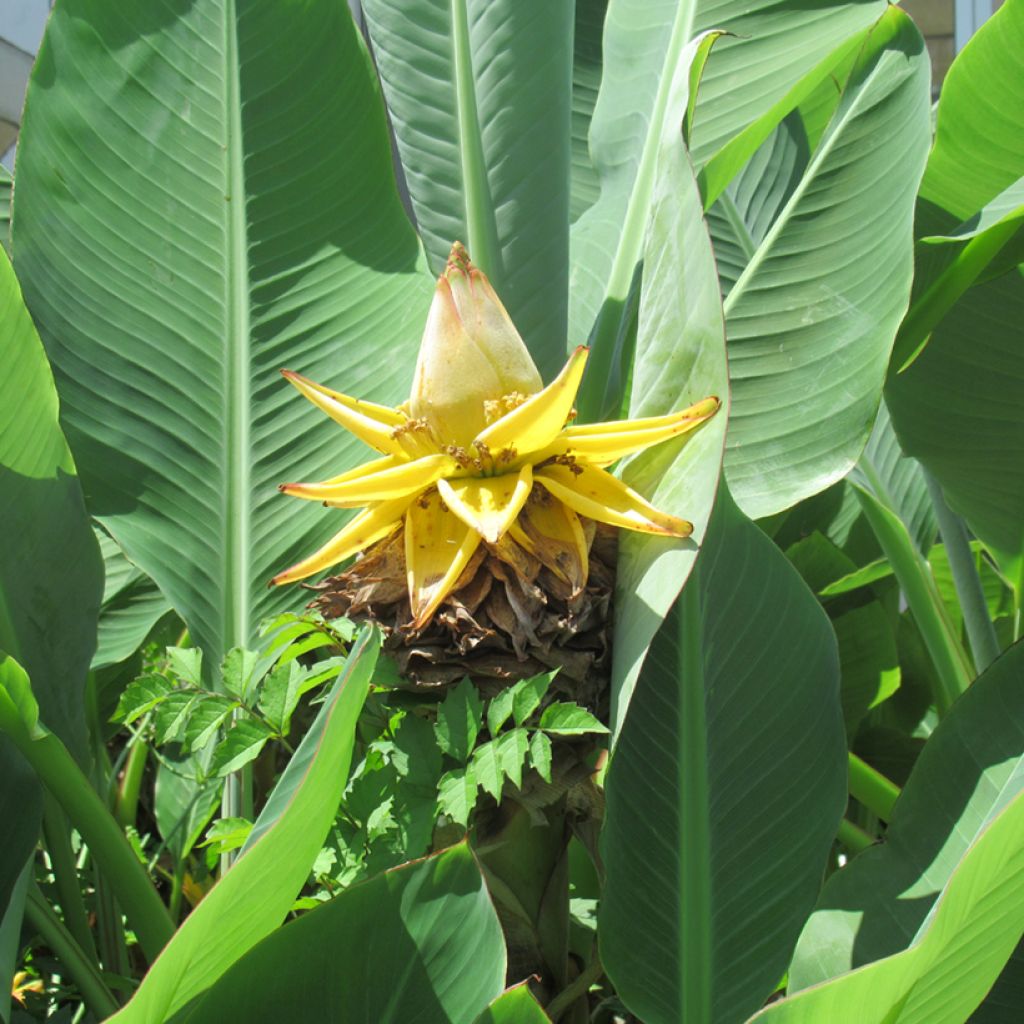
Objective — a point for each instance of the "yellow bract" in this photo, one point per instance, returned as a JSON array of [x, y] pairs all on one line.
[[482, 451]]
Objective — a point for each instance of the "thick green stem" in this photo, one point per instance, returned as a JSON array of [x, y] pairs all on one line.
[[65, 874], [575, 990], [872, 788], [952, 666], [481, 226], [126, 807], [84, 972], [980, 631], [63, 778], [855, 839]]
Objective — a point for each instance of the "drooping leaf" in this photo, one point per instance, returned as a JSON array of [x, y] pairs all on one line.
[[479, 94], [969, 770], [434, 953], [725, 788], [955, 957], [241, 745], [275, 860], [174, 263], [806, 358], [959, 409], [680, 358]]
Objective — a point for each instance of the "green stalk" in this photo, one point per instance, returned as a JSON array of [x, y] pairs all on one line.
[[951, 663], [63, 778], [980, 631], [86, 975], [65, 873], [126, 806], [855, 839], [872, 788], [481, 226]]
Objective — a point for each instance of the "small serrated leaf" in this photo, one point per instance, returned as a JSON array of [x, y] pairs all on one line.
[[512, 750], [456, 794], [540, 755], [569, 719], [416, 755], [227, 834], [486, 764], [187, 664], [528, 694], [280, 695], [205, 717], [241, 745], [172, 714], [140, 696], [459, 719], [237, 672], [499, 710]]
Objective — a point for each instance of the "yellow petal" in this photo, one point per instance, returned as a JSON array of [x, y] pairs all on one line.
[[488, 504], [471, 353], [539, 420], [374, 424], [601, 444], [389, 482], [554, 535], [359, 533], [438, 546], [598, 495]]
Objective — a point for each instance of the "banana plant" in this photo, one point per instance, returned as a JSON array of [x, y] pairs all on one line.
[[656, 621]]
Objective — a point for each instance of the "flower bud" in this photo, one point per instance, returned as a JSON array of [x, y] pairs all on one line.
[[471, 354]]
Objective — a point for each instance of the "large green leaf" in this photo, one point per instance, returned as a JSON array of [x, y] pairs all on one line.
[[479, 93], [897, 481], [585, 186], [205, 195], [812, 318], [417, 945], [959, 408], [51, 575], [132, 605], [680, 359], [955, 957], [254, 897], [969, 770], [725, 788], [979, 132], [747, 208], [643, 44]]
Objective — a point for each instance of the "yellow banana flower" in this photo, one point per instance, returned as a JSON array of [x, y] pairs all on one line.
[[482, 450]]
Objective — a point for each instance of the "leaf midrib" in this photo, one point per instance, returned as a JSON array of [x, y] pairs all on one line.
[[827, 144], [237, 470]]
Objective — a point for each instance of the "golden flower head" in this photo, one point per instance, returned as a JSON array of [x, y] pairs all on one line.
[[478, 437]]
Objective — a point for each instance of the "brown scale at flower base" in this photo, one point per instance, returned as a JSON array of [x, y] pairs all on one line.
[[486, 529]]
